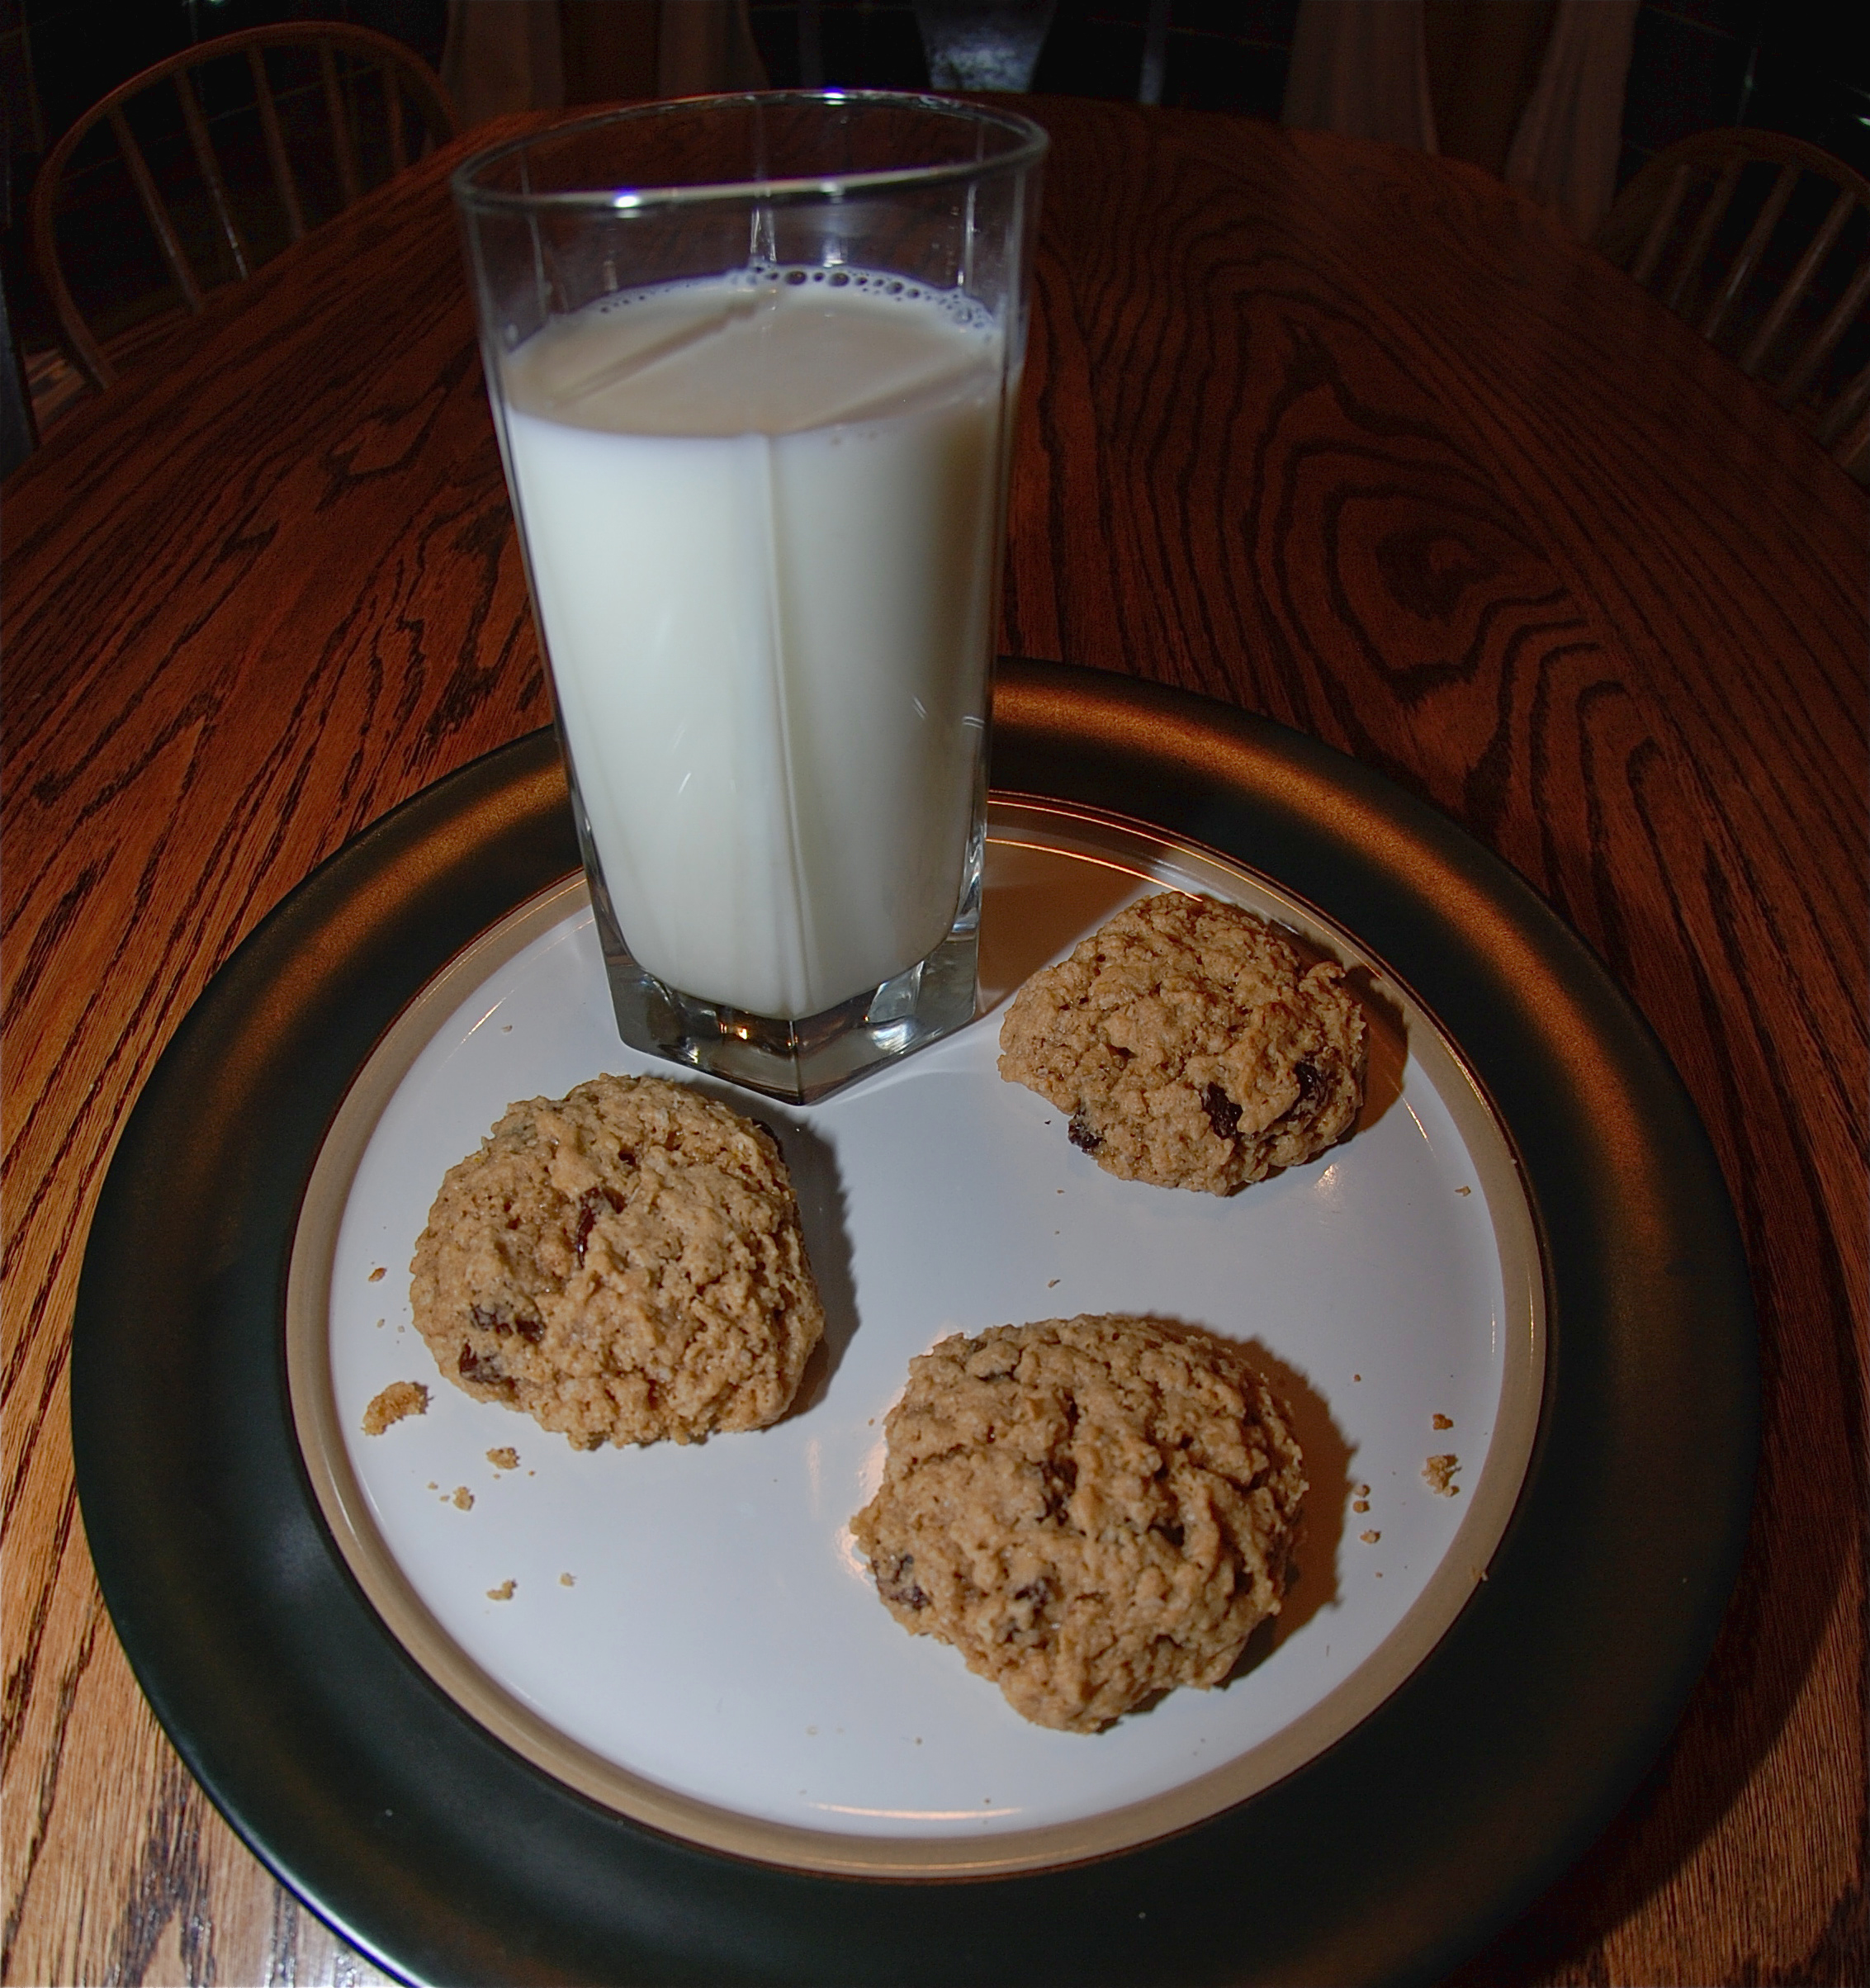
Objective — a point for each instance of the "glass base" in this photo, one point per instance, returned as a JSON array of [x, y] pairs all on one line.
[[800, 1060]]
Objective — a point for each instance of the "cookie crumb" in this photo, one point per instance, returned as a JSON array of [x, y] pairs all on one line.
[[1360, 1504], [1438, 1473], [400, 1398], [376, 1276], [1052, 1284], [1440, 1422], [1363, 1491], [1370, 1538], [568, 1580], [504, 1593], [505, 1458], [1356, 1377], [1464, 1191], [463, 1499]]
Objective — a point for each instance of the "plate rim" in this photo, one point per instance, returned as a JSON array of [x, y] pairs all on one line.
[[1530, 1725], [1494, 1483]]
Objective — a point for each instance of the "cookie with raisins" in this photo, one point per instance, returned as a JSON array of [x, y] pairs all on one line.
[[624, 1264], [1090, 1510], [1190, 1046]]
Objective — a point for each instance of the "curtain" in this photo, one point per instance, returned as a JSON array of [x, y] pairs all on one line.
[[540, 54], [1564, 151], [1361, 67]]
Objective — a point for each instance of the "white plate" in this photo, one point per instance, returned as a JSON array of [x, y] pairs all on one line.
[[717, 1663]]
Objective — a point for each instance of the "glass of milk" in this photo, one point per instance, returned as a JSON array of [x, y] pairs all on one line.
[[753, 361]]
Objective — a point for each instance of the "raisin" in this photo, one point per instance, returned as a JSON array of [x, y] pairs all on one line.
[[1038, 1592], [1061, 1481], [488, 1320], [591, 1203], [894, 1584], [1223, 1114], [1312, 1089], [479, 1373], [1080, 1134]]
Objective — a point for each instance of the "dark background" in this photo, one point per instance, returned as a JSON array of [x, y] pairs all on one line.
[[1696, 64]]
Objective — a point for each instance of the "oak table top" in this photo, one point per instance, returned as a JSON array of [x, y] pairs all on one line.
[[1349, 437]]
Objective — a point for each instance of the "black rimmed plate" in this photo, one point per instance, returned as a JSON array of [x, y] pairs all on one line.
[[430, 1844], [690, 1634]]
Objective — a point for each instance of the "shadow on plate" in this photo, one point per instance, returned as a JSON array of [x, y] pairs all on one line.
[[1038, 904], [824, 1216], [1312, 1572], [1388, 1049]]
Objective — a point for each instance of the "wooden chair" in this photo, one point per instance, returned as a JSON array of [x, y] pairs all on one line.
[[1763, 243], [214, 228], [19, 435]]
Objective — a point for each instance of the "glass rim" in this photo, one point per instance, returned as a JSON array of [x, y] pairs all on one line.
[[470, 192]]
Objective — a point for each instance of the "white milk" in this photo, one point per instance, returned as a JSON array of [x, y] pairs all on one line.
[[761, 518]]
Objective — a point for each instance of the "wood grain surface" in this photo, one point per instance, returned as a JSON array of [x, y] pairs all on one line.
[[1347, 436]]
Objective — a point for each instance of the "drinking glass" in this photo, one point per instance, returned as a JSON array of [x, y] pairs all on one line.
[[753, 361]]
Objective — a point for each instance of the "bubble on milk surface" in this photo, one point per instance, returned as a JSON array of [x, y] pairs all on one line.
[[965, 313]]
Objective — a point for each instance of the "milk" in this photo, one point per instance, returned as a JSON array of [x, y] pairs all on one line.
[[760, 515]]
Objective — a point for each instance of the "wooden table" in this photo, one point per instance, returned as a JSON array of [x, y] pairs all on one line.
[[1347, 436]]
